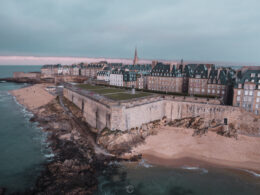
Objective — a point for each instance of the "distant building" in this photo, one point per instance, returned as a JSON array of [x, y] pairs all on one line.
[[129, 79], [122, 78], [103, 75], [141, 81], [166, 78], [50, 70], [247, 91], [211, 81], [92, 69], [116, 78]]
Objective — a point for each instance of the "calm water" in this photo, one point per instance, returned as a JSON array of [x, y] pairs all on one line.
[[142, 179], [23, 151], [22, 143]]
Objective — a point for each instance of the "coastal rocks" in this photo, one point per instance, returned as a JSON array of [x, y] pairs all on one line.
[[72, 169], [2, 191], [191, 122], [119, 142]]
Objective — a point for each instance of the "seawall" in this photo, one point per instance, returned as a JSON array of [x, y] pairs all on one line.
[[100, 112]]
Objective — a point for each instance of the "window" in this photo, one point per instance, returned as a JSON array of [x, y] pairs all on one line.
[[209, 91], [250, 92], [252, 74], [213, 90], [223, 92], [240, 85], [257, 106], [238, 98], [246, 92], [258, 93], [203, 90], [239, 92], [257, 100], [218, 92]]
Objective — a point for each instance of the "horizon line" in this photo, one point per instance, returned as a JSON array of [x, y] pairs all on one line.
[[10, 60]]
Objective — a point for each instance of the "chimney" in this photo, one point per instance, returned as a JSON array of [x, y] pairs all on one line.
[[219, 70]]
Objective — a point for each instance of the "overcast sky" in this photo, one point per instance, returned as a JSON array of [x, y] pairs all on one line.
[[219, 30]]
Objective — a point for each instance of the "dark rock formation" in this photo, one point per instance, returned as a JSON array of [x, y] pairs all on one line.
[[73, 168], [2, 191]]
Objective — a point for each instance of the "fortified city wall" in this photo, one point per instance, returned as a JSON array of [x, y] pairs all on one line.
[[124, 115], [26, 75]]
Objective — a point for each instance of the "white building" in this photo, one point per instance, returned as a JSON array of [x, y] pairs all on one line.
[[116, 78], [103, 76], [75, 70], [65, 70]]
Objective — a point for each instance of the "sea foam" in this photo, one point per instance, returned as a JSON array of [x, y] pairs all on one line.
[[143, 163], [203, 170], [251, 172]]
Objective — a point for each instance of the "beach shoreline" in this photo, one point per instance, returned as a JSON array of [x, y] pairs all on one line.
[[176, 147], [32, 96]]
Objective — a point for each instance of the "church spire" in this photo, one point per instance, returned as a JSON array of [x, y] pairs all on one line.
[[136, 57]]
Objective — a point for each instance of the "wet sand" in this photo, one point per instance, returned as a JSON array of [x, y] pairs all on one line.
[[177, 147], [33, 97]]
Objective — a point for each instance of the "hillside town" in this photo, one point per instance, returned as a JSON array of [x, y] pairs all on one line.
[[238, 87]]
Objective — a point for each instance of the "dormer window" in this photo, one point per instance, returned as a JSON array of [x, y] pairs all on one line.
[[252, 74]]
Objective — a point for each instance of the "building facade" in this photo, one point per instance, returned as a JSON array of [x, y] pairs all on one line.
[[247, 91], [165, 78]]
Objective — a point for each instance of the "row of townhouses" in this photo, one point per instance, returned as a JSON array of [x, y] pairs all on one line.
[[234, 87]]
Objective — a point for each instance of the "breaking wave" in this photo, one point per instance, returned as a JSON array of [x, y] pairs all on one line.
[[203, 170], [143, 163], [252, 172]]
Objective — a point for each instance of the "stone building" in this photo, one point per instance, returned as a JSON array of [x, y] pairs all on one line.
[[141, 81], [211, 81], [166, 78], [50, 70], [122, 78], [103, 75], [247, 91], [92, 69]]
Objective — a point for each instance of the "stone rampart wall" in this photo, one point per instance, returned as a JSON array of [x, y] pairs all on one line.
[[124, 116], [26, 75], [96, 114]]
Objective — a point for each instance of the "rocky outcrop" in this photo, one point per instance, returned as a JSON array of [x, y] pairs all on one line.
[[2, 191], [73, 167], [119, 142], [202, 125]]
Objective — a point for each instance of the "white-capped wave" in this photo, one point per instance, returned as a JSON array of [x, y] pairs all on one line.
[[143, 163], [252, 172], [203, 170], [51, 155], [114, 163]]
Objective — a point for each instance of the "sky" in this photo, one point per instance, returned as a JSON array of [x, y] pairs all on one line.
[[200, 30]]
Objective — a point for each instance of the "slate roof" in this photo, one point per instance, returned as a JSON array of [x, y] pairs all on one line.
[[247, 77]]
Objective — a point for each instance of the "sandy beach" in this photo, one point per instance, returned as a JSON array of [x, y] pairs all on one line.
[[177, 147], [33, 97]]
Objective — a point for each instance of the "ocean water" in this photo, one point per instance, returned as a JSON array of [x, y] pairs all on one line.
[[23, 146], [143, 178]]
